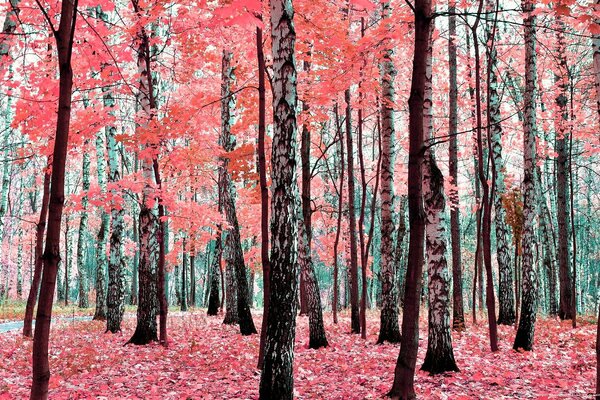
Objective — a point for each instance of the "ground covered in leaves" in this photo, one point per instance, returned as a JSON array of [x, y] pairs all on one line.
[[208, 360]]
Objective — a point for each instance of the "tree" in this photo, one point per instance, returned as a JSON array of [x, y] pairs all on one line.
[[115, 299], [82, 278], [440, 355], [101, 261], [64, 37], [353, 272], [506, 310], [525, 332], [213, 299], [389, 330], [276, 381], [596, 48], [562, 193], [149, 235], [39, 246], [234, 256], [458, 313], [404, 373]]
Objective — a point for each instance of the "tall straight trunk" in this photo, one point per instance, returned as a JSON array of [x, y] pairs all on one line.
[[264, 192], [193, 276], [458, 313], [404, 373], [317, 336], [101, 260], [440, 354], [506, 314], [525, 332], [305, 195], [184, 284], [562, 193], [400, 249], [276, 381], [39, 246], [82, 278], [389, 330], [213, 298], [547, 260], [136, 259], [64, 41], [596, 49], [234, 256], [115, 299], [486, 199], [67, 259], [353, 273], [149, 226], [339, 219]]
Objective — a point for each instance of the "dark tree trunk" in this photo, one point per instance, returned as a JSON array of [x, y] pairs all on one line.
[[404, 373], [193, 276], [184, 285], [338, 232], [64, 41], [458, 313], [353, 273], [277, 375], [486, 199], [39, 246], [264, 193], [213, 299], [234, 256]]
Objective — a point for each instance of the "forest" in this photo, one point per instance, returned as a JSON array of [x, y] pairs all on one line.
[[312, 199]]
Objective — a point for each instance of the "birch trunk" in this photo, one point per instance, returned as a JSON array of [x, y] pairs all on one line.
[[525, 332], [82, 278], [389, 330], [276, 380]]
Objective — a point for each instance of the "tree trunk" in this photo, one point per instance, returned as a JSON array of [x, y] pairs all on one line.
[[562, 193], [115, 299], [339, 220], [525, 332], [389, 330], [234, 256], [440, 355], [150, 237], [486, 199], [458, 313], [64, 41], [506, 314], [39, 246], [353, 273], [596, 49], [82, 278], [193, 276], [184, 285], [404, 373], [276, 380], [101, 261], [264, 193], [213, 299], [317, 336]]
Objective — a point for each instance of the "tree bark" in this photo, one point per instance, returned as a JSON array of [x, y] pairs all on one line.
[[39, 247], [404, 373], [525, 332], [562, 193], [440, 354], [264, 193], [339, 220], [234, 256], [277, 375], [458, 313], [389, 330], [64, 41], [353, 273], [213, 299], [82, 278], [115, 299], [506, 313], [101, 261]]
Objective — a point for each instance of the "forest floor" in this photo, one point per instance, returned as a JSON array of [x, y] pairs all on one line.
[[209, 360]]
